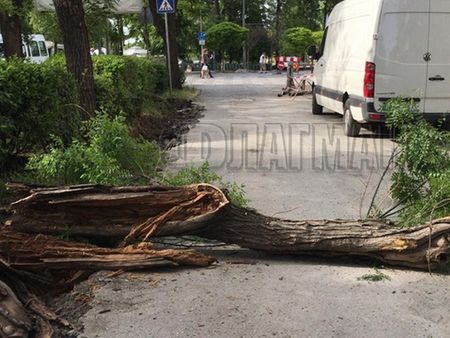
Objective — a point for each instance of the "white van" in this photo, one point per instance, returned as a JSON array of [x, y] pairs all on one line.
[[374, 50], [34, 48]]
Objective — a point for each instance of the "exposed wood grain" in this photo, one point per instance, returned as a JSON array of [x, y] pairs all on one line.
[[144, 212]]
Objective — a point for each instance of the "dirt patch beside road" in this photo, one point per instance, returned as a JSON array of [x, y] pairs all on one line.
[[176, 119]]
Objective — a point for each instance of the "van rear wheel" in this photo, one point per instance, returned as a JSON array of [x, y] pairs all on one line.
[[316, 108], [351, 127]]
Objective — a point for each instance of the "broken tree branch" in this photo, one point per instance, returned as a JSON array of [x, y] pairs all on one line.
[[144, 212], [33, 264]]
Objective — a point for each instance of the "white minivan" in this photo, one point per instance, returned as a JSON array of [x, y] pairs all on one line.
[[34, 48], [374, 50]]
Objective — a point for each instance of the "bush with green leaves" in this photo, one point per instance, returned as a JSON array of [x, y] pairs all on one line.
[[109, 154], [36, 101], [421, 181], [295, 41], [317, 38], [227, 37], [128, 84], [203, 174], [39, 101]]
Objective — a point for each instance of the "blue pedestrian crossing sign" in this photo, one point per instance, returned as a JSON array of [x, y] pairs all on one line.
[[165, 6]]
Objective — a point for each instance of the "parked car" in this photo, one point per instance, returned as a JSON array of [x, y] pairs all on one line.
[[34, 48], [376, 50]]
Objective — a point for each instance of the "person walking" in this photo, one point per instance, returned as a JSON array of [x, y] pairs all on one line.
[[263, 63], [206, 58]]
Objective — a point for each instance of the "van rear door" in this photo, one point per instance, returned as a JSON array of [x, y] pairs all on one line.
[[438, 78], [402, 42]]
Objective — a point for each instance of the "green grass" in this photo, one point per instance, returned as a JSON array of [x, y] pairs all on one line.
[[376, 276]]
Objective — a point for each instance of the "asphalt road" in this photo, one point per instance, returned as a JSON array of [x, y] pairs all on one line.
[[294, 165]]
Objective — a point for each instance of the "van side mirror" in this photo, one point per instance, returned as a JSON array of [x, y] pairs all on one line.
[[312, 52]]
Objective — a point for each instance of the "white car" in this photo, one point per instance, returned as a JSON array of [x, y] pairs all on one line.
[[34, 48], [376, 50]]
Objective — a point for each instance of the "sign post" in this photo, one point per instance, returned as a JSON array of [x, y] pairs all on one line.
[[167, 7]]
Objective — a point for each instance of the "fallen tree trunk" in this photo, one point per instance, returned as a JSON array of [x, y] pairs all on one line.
[[143, 212], [37, 253], [35, 264]]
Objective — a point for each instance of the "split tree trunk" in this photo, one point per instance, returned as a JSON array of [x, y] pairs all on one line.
[[35, 264], [11, 29], [71, 19], [144, 212]]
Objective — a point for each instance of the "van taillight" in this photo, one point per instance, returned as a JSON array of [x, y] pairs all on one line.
[[369, 80]]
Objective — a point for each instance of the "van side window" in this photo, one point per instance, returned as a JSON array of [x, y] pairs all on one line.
[[43, 48], [322, 44], [34, 48]]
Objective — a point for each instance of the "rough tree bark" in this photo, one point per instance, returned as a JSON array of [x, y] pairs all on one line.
[[144, 212], [160, 27], [217, 10], [278, 27], [31, 265], [11, 30], [71, 19]]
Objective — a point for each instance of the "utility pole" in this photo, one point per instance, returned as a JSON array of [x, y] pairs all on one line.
[[244, 49], [169, 65], [201, 47]]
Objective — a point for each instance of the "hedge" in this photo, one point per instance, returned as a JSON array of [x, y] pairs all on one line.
[[127, 84], [38, 101]]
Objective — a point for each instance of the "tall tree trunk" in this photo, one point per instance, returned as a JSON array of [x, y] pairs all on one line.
[[11, 29], [160, 27], [121, 33], [71, 19], [217, 10], [145, 32], [278, 27]]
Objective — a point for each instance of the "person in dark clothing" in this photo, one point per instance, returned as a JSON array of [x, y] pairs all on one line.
[[206, 61]]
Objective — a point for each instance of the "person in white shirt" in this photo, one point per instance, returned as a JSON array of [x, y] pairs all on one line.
[[263, 63]]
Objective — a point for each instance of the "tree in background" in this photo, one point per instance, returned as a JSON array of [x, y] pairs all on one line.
[[227, 37], [276, 25], [296, 40], [102, 25], [302, 13], [328, 6], [71, 18], [317, 37], [193, 16], [12, 14], [46, 23], [258, 41], [177, 81]]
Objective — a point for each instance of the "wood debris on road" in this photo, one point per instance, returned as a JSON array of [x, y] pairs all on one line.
[[32, 261]]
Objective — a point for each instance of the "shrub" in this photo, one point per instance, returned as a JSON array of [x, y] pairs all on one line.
[[203, 174], [227, 37], [36, 101], [421, 181], [110, 155], [317, 38], [127, 84], [296, 40]]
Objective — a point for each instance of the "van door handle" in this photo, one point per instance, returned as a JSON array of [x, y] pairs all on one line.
[[436, 78]]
